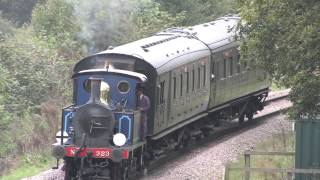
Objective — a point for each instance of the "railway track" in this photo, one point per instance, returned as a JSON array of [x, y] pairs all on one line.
[[162, 168], [276, 103]]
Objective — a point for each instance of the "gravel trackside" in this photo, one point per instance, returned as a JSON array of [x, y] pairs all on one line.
[[208, 162]]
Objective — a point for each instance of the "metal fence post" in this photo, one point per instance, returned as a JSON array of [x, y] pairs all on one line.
[[247, 165]]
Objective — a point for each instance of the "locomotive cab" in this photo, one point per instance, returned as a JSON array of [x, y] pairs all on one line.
[[104, 106], [117, 91]]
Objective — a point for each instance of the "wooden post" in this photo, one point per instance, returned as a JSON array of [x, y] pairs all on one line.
[[289, 176], [226, 172], [247, 165]]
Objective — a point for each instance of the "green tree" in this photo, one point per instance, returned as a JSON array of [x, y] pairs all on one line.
[[34, 84], [198, 11], [283, 36], [35, 67], [6, 28], [18, 11], [148, 19], [55, 23], [5, 119]]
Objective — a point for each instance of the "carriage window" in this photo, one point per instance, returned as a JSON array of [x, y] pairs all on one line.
[[238, 63], [231, 65], [224, 68], [181, 84], [204, 75], [193, 79], [162, 92], [218, 69], [174, 87], [199, 73], [187, 88], [212, 68]]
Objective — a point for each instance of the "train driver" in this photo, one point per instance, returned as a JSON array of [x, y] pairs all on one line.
[[143, 104]]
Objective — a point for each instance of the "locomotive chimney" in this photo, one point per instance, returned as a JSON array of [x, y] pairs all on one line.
[[95, 84]]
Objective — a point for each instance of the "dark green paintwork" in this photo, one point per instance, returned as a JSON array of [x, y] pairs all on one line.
[[307, 146]]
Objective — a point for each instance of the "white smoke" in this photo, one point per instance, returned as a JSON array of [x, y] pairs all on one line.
[[103, 22]]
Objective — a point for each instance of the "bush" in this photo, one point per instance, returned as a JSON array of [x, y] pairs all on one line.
[[33, 76]]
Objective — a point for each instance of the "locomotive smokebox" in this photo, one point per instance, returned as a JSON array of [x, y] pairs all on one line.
[[94, 121]]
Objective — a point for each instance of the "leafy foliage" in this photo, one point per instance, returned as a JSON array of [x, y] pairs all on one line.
[[28, 80], [5, 118], [55, 23], [6, 28], [35, 65], [18, 11], [149, 18], [197, 11], [283, 36]]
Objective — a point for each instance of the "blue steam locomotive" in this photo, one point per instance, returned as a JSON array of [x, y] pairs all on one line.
[[194, 79]]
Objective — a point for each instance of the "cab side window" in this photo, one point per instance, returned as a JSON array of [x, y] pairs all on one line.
[[224, 68], [187, 85], [193, 78]]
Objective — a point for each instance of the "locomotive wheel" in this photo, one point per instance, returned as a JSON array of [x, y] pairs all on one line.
[[67, 176], [120, 171], [116, 171], [186, 143], [124, 173], [133, 166], [241, 119], [69, 173], [249, 116], [217, 123]]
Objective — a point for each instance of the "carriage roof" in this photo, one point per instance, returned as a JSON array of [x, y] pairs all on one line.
[[177, 46]]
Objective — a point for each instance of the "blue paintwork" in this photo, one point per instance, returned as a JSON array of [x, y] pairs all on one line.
[[124, 120], [115, 95], [124, 124], [67, 115]]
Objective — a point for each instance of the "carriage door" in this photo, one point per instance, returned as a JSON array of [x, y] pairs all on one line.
[[162, 101], [214, 75]]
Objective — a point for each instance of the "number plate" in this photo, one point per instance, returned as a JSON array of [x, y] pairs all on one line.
[[103, 153]]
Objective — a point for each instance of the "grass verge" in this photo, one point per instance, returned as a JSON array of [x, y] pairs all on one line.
[[275, 87], [281, 142], [30, 165]]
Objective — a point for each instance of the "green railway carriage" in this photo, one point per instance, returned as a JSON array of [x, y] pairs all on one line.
[[192, 72], [194, 79]]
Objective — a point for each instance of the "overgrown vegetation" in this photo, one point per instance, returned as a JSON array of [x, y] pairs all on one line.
[[40, 40], [282, 143], [30, 164]]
